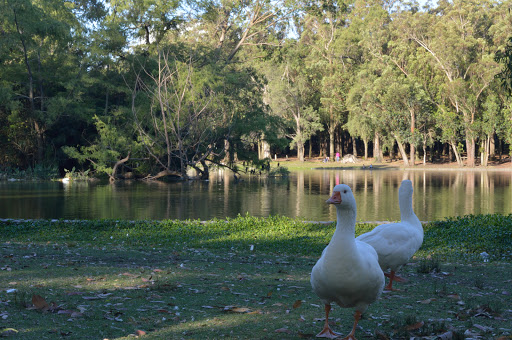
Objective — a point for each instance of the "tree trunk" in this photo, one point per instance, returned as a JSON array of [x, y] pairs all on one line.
[[323, 149], [377, 151], [354, 147], [365, 142], [204, 173], [310, 148], [300, 151], [206, 170], [39, 140], [424, 153], [265, 148], [113, 176], [492, 146], [163, 173], [227, 157], [39, 130], [456, 153], [471, 148], [331, 140], [412, 146], [484, 156], [402, 151], [412, 154]]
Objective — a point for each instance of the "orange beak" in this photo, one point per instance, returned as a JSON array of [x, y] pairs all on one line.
[[335, 198]]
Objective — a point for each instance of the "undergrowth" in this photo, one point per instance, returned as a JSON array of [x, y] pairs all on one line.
[[464, 238]]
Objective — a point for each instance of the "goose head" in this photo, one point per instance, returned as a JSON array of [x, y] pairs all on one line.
[[342, 197], [406, 189]]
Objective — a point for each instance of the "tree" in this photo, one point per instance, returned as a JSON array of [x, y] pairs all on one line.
[[365, 111], [113, 148], [42, 53], [178, 115], [292, 98], [148, 21], [323, 34], [465, 61], [505, 57]]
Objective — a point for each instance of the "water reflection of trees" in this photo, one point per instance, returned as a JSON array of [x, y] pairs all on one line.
[[437, 194]]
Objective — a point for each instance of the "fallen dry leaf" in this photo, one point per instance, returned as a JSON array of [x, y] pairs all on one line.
[[128, 274], [283, 330], [255, 312], [40, 303], [139, 332], [415, 326], [235, 309], [164, 311], [297, 304]]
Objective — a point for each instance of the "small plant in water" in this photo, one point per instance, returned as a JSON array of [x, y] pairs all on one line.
[[75, 175]]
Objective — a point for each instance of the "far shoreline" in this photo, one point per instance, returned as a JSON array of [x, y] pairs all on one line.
[[316, 163]]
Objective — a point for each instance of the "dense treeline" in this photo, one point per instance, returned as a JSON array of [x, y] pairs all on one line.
[[153, 88]]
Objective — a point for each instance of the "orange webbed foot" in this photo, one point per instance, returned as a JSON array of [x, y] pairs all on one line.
[[327, 332]]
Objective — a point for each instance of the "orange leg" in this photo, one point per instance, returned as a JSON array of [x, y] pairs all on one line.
[[351, 336], [327, 332], [393, 277]]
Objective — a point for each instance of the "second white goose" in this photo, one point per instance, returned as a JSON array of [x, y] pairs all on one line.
[[396, 243]]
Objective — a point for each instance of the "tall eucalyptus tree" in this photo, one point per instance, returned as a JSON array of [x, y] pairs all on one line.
[[292, 96], [323, 29], [460, 50]]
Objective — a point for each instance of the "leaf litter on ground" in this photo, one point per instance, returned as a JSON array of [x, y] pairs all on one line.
[[166, 291]]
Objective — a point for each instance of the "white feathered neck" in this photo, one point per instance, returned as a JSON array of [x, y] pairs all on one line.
[[343, 238], [405, 201]]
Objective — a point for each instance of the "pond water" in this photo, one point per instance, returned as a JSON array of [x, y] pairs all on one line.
[[437, 194]]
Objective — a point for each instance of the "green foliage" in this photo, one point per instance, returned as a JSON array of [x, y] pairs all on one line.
[[75, 175], [37, 172], [113, 144], [428, 265], [456, 238], [376, 72], [281, 171], [505, 57], [469, 236]]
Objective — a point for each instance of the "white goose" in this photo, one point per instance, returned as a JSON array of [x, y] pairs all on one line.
[[397, 242], [348, 271]]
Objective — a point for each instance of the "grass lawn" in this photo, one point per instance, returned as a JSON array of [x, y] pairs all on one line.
[[193, 280]]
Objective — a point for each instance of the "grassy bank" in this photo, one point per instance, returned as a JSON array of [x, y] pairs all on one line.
[[245, 278]]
